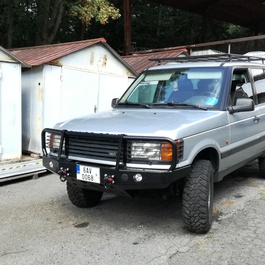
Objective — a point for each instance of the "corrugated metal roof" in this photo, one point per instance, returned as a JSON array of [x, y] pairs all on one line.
[[139, 62], [39, 55]]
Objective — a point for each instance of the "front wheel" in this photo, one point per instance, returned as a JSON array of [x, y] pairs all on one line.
[[83, 198], [197, 200]]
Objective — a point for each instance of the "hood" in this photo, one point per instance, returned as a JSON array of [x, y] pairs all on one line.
[[142, 122]]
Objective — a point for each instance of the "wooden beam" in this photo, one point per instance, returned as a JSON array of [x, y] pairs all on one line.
[[127, 26]]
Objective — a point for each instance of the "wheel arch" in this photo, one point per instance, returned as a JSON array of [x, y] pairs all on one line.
[[210, 154]]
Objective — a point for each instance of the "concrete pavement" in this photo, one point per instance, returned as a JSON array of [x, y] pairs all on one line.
[[39, 225]]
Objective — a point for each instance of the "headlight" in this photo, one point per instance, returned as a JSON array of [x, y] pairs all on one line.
[[145, 150], [160, 151], [53, 144]]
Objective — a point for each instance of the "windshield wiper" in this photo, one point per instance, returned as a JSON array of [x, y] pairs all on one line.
[[135, 104], [182, 104], [186, 104]]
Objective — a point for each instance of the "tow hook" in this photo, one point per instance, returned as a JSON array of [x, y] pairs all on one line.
[[63, 173], [108, 181]]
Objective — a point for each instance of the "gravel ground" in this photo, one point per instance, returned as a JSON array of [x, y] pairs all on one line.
[[40, 226]]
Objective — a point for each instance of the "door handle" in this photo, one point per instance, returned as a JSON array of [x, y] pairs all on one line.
[[256, 119]]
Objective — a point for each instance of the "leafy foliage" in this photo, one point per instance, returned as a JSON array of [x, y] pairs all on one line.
[[101, 10], [38, 21]]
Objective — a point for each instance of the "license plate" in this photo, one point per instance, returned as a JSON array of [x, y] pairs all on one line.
[[89, 174]]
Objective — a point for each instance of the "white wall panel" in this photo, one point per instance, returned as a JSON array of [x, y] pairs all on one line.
[[10, 111]]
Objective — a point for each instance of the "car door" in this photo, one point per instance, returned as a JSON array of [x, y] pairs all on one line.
[[244, 126]]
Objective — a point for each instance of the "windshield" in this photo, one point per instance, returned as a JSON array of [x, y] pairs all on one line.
[[171, 87]]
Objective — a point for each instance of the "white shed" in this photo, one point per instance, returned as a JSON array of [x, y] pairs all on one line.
[[10, 106], [66, 81]]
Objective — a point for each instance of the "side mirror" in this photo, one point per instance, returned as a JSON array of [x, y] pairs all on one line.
[[242, 104], [114, 102]]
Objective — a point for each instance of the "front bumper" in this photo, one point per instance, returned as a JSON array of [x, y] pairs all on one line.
[[123, 178]]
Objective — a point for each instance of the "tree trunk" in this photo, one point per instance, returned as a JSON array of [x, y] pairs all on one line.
[[50, 14], [82, 32], [42, 22], [10, 22], [159, 22], [56, 18]]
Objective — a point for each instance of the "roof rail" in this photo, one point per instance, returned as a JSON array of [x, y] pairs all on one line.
[[221, 57]]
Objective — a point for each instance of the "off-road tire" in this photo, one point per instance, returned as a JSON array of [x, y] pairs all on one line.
[[262, 167], [197, 200], [83, 198]]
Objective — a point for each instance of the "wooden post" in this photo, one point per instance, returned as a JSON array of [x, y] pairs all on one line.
[[127, 26]]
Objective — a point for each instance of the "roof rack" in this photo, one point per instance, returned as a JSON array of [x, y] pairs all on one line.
[[222, 57]]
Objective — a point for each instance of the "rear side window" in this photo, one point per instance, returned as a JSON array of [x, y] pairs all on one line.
[[259, 81]]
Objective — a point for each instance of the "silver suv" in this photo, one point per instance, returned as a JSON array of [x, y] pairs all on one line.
[[178, 128]]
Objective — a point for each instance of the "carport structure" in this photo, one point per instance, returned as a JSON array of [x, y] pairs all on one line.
[[246, 13]]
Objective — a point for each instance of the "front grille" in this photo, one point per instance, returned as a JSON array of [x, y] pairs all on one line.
[[89, 146]]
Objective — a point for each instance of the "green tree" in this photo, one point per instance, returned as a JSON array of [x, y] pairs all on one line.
[[50, 13], [36, 22], [72, 28]]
